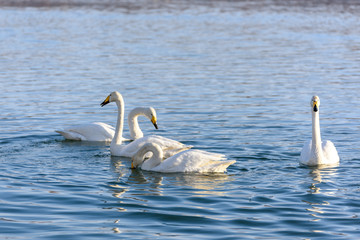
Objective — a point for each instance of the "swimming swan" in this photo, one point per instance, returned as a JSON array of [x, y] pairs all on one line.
[[102, 132], [186, 161], [170, 147], [315, 152]]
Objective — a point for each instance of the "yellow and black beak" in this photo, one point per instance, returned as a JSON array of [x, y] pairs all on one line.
[[132, 165], [316, 106], [153, 120], [106, 101]]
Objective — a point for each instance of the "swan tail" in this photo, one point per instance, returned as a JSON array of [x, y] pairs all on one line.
[[219, 166]]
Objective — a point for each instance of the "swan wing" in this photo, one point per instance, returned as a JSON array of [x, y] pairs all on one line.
[[170, 147], [166, 143], [330, 153], [168, 152], [194, 161], [96, 131], [305, 153]]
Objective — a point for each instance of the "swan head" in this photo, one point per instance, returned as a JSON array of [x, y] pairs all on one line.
[[315, 103], [151, 114], [135, 162], [113, 97], [140, 155]]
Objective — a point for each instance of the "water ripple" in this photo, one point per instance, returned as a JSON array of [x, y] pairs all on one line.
[[224, 76]]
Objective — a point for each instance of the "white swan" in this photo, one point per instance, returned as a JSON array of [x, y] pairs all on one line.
[[102, 132], [170, 147], [187, 161], [315, 152]]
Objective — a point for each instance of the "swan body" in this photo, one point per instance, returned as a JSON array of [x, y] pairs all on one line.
[[170, 146], [316, 152], [186, 161], [103, 132], [96, 131]]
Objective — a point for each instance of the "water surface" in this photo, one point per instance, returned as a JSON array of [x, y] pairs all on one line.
[[228, 77]]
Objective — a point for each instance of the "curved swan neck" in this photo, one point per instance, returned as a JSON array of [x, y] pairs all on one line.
[[156, 158], [316, 137], [117, 140], [135, 131]]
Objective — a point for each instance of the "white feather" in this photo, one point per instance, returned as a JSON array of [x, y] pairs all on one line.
[[186, 161], [316, 152]]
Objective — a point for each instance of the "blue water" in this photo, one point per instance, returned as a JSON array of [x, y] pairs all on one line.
[[227, 77]]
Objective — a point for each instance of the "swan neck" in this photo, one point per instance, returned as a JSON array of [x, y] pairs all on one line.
[[316, 137], [155, 160], [117, 140], [158, 155], [135, 131]]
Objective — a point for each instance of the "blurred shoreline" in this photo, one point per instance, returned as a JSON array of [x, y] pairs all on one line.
[[339, 5]]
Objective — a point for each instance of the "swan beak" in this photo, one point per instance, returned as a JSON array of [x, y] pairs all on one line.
[[153, 120], [106, 101], [316, 106], [132, 165]]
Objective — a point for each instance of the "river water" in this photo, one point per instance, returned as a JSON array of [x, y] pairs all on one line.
[[233, 77]]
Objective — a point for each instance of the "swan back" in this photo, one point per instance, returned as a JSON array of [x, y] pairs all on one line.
[[169, 146], [194, 161]]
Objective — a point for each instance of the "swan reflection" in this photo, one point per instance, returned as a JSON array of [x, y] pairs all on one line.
[[141, 182], [203, 184], [119, 165], [316, 202], [321, 175]]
